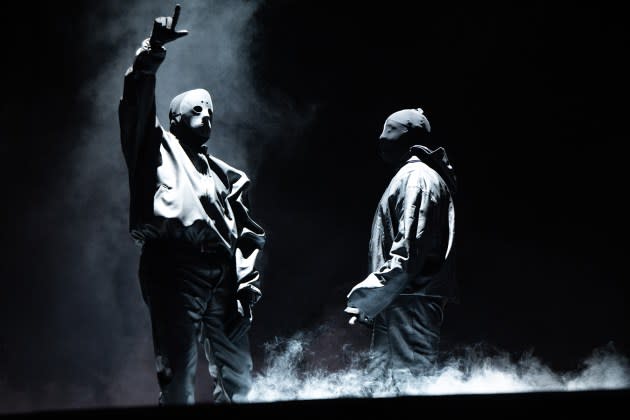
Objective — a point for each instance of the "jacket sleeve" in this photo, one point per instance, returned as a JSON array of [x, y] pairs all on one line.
[[139, 126], [251, 239], [404, 259]]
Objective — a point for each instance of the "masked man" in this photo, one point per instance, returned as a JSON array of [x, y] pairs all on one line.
[[189, 211], [411, 252]]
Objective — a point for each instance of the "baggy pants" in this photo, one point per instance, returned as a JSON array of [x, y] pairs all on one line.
[[191, 298], [406, 336]]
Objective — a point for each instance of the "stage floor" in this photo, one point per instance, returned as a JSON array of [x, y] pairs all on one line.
[[505, 406]]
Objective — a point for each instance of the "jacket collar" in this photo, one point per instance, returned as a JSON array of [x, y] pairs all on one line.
[[438, 161]]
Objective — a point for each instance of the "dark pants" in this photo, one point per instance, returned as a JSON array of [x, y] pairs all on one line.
[[191, 298], [406, 336]]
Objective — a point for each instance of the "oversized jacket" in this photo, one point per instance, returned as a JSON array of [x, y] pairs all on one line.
[[169, 198], [412, 248]]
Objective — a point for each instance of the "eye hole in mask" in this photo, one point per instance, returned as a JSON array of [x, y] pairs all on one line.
[[197, 109]]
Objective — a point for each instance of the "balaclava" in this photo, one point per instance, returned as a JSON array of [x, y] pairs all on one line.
[[402, 130]]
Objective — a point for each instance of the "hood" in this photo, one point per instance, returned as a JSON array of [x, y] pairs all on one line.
[[439, 162]]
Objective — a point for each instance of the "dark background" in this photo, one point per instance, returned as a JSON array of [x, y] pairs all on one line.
[[530, 104]]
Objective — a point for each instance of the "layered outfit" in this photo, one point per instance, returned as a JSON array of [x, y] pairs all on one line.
[[411, 264], [189, 212]]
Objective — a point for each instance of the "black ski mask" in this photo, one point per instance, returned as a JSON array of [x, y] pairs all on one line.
[[402, 130]]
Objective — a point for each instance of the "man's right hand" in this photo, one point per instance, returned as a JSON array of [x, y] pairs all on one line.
[[358, 317], [164, 29]]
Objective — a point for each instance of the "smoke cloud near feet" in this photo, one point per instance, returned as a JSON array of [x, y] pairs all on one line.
[[291, 374]]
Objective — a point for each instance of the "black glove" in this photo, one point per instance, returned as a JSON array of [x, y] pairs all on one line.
[[358, 316], [245, 299], [248, 296], [164, 30]]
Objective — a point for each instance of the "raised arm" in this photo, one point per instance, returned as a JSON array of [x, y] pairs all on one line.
[[139, 126]]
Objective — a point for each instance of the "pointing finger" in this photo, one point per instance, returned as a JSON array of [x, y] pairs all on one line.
[[175, 16]]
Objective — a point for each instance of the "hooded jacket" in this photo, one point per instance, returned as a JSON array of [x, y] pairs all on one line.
[[412, 248]]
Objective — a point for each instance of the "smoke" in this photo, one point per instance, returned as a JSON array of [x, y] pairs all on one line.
[[216, 55], [478, 370]]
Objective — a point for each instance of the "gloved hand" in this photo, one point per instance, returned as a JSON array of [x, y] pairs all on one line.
[[247, 298], [359, 317], [164, 30]]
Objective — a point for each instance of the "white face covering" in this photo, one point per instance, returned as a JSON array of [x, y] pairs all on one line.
[[193, 109]]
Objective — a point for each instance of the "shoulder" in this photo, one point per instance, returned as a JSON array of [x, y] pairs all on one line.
[[416, 178], [413, 171], [422, 172]]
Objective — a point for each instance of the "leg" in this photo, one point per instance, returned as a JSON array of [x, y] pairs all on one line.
[[229, 357], [380, 354], [175, 303], [407, 334]]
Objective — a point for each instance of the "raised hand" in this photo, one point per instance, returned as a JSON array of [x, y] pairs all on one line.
[[164, 29]]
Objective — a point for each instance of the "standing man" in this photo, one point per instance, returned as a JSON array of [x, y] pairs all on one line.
[[189, 211], [411, 252]]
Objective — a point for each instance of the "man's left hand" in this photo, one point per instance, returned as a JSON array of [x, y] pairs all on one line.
[[245, 310], [164, 29], [247, 298]]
